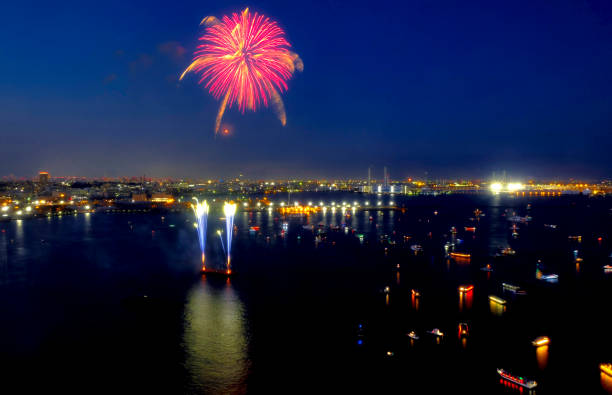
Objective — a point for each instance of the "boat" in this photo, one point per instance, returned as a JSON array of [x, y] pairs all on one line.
[[412, 335], [517, 218], [453, 230], [470, 229], [416, 292], [487, 268], [497, 299], [460, 255], [463, 329], [550, 226], [508, 251], [436, 332], [416, 248], [606, 368], [510, 287], [551, 278], [541, 341], [254, 229], [515, 289], [466, 288], [607, 268], [577, 238], [523, 382]]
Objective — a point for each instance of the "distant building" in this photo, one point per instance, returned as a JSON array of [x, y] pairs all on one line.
[[162, 198], [43, 177], [140, 197]]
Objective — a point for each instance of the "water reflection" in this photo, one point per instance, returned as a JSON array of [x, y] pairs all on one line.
[[606, 382], [215, 338], [497, 309], [415, 300], [542, 356], [466, 300]]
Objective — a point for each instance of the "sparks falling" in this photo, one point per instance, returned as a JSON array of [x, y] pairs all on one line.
[[245, 60], [229, 210], [201, 213]]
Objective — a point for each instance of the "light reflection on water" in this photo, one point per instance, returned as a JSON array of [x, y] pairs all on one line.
[[542, 356], [606, 382], [215, 339]]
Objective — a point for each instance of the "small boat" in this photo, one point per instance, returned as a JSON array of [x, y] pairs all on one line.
[[551, 278], [453, 230], [460, 256], [541, 341], [487, 268], [412, 335], [515, 289], [577, 238], [497, 299], [517, 218], [254, 229], [523, 382], [470, 229], [416, 248], [416, 292], [436, 332], [466, 288], [551, 226], [508, 251], [607, 268], [463, 329], [606, 368]]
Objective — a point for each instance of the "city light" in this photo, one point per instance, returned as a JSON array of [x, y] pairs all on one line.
[[496, 187], [514, 186]]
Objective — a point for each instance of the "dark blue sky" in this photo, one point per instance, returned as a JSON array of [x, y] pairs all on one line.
[[454, 88]]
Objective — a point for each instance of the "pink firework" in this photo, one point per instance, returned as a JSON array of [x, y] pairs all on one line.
[[246, 60]]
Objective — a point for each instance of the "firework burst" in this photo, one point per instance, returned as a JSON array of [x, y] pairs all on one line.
[[245, 60]]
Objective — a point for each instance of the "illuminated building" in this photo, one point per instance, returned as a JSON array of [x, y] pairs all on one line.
[[43, 177]]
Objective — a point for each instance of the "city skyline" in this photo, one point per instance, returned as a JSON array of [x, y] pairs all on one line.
[[444, 88]]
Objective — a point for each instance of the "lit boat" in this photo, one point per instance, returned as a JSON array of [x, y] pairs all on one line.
[[466, 288], [510, 287], [508, 251], [460, 255], [515, 289], [453, 230], [551, 278], [550, 226], [541, 341], [517, 218], [463, 329], [496, 299], [487, 268], [577, 238], [529, 384], [470, 229], [607, 268], [412, 335], [254, 229], [416, 292], [416, 248], [436, 332], [606, 368]]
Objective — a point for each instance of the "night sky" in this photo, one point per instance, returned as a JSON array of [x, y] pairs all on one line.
[[452, 88]]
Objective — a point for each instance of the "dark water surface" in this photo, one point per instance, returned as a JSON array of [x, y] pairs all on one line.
[[115, 303]]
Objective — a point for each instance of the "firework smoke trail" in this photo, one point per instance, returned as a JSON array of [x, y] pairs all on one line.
[[245, 60], [201, 213], [229, 209]]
